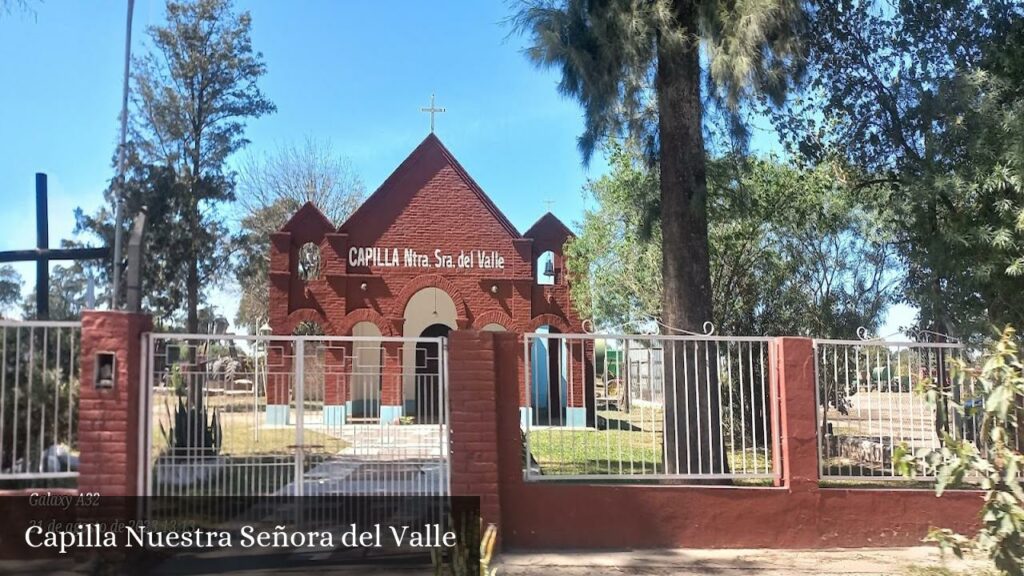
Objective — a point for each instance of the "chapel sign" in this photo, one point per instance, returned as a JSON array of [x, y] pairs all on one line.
[[373, 256]]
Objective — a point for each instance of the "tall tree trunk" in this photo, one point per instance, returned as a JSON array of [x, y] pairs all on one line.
[[693, 434], [192, 305]]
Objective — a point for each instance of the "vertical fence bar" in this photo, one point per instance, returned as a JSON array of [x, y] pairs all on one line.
[[627, 436]]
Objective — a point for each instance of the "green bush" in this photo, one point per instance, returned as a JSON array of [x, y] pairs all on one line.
[[191, 434], [993, 458]]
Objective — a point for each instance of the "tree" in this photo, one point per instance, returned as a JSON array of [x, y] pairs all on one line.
[[271, 188], [792, 251], [70, 287], [927, 100], [636, 68], [8, 7], [10, 288], [192, 95], [168, 243]]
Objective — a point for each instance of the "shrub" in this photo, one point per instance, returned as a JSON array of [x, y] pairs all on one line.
[[993, 458]]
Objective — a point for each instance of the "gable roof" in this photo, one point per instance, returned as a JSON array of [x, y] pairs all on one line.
[[546, 224], [306, 215], [430, 144]]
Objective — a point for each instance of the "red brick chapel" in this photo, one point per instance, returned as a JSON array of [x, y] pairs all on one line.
[[426, 253]]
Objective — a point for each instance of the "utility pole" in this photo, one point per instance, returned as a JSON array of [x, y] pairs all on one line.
[[119, 185]]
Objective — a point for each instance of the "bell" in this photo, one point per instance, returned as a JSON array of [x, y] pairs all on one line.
[[549, 268]]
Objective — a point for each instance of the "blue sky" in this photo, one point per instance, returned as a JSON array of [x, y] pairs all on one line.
[[356, 73]]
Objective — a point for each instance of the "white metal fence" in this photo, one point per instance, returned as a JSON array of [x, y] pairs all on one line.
[[295, 415], [870, 402], [39, 385], [645, 407]]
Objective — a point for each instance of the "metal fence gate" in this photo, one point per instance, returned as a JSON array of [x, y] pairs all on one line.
[[230, 415], [39, 384]]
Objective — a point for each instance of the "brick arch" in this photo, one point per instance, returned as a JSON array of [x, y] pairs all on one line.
[[307, 315], [432, 281], [364, 315], [493, 317], [551, 320]]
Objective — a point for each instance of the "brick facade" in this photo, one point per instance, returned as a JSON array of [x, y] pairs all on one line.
[[108, 428], [428, 204]]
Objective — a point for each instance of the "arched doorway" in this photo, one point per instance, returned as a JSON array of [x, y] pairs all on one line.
[[430, 313], [429, 390], [548, 394], [365, 373]]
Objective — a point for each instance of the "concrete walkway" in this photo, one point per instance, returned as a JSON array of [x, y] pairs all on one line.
[[844, 562], [860, 562], [378, 460]]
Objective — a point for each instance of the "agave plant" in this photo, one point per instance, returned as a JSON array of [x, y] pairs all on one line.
[[192, 434]]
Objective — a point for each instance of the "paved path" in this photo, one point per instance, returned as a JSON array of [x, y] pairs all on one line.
[[378, 460], [847, 562], [859, 562]]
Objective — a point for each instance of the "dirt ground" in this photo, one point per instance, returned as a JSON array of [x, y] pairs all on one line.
[[860, 561]]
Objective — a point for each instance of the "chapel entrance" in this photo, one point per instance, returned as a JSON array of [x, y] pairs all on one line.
[[430, 313], [429, 401]]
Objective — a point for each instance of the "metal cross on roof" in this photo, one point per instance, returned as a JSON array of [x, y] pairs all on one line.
[[42, 254], [433, 110]]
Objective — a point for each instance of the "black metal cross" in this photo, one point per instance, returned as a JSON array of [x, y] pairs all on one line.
[[42, 254]]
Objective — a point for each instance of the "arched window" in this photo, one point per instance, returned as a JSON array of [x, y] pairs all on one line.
[[309, 262], [546, 268], [494, 327]]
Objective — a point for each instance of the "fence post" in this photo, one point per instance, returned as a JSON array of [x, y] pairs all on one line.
[[473, 426], [798, 413], [109, 425]]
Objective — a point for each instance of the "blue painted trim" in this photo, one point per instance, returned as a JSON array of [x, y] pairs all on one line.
[[277, 414], [525, 416], [389, 414], [576, 417], [334, 415], [410, 406]]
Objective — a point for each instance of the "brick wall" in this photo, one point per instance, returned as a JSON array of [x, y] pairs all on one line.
[[429, 203], [473, 429], [108, 420], [796, 514], [409, 211]]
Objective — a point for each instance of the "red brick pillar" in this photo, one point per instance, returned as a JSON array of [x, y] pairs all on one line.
[[108, 419], [391, 393], [798, 413], [473, 427], [280, 356]]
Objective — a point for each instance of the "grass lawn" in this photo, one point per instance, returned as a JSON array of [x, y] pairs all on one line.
[[251, 461], [562, 451]]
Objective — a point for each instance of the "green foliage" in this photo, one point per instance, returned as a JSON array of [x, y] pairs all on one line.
[[169, 249], [615, 259], [192, 93], [10, 288], [998, 379], [637, 69], [926, 99], [459, 560], [192, 434], [34, 382], [792, 252], [610, 56], [69, 288]]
